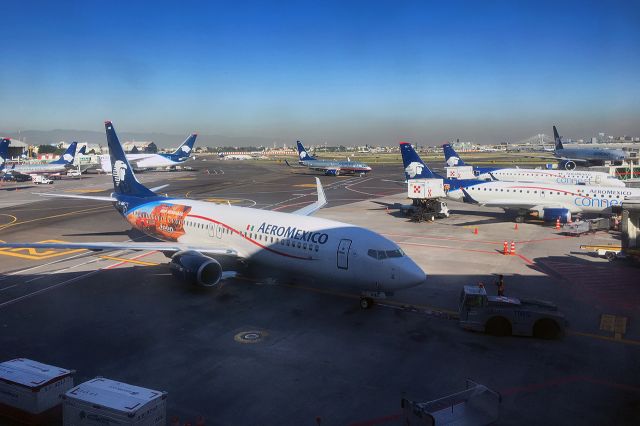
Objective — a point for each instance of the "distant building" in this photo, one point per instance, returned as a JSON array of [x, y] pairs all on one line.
[[140, 145], [17, 148]]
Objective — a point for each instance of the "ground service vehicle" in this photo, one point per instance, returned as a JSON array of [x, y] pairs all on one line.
[[505, 316], [425, 195], [38, 179]]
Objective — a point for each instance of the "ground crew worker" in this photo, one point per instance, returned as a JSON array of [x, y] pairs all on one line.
[[500, 285]]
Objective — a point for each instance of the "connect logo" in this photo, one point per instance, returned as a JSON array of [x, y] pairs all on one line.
[[414, 169], [119, 171]]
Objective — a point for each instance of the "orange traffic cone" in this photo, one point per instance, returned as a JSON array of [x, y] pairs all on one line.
[[515, 227], [475, 231], [505, 248], [558, 223], [513, 248]]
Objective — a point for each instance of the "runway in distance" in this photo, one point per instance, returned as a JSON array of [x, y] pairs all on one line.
[[58, 166], [547, 201], [152, 161], [513, 174], [194, 233], [330, 167], [582, 155]]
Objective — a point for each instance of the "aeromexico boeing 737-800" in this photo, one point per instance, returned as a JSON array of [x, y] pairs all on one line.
[[329, 167], [548, 201], [513, 174], [58, 166], [153, 161], [583, 155], [195, 233]]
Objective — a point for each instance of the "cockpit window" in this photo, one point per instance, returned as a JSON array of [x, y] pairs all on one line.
[[383, 254]]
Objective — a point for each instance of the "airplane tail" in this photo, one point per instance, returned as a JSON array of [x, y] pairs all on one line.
[[451, 156], [124, 180], [184, 151], [83, 150], [68, 156], [4, 151], [414, 167], [302, 153], [556, 137]]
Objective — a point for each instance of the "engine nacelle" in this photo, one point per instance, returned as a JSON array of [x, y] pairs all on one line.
[[568, 165], [195, 268], [552, 214], [332, 172]]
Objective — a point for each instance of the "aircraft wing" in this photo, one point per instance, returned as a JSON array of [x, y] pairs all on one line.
[[126, 245], [312, 208]]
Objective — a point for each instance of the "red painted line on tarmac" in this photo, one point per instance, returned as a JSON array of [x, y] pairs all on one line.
[[450, 248], [546, 239], [115, 265], [526, 259]]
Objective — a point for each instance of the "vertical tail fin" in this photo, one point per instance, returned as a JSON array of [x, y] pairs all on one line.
[[451, 156], [68, 156], [124, 180], [414, 167], [302, 153], [556, 137], [4, 151], [184, 151], [83, 150]]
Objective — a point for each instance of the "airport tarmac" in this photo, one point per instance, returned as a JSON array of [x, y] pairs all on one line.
[[265, 352]]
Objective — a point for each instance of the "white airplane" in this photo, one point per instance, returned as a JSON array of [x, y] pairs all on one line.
[[196, 233], [512, 174], [153, 161], [548, 201], [60, 165]]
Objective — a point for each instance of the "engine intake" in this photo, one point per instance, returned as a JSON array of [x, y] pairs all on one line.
[[552, 214], [195, 268], [568, 165]]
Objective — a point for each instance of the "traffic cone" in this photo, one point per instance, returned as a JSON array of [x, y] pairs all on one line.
[[505, 248], [513, 248], [475, 231], [515, 227], [558, 223]]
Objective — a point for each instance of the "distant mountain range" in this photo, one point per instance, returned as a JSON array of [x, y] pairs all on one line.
[[162, 140]]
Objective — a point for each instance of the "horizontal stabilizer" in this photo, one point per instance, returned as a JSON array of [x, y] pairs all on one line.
[[82, 197]]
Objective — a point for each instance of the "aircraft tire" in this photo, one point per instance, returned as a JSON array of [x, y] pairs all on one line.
[[519, 219], [366, 302]]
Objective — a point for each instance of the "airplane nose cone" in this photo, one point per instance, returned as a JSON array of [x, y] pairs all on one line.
[[411, 275]]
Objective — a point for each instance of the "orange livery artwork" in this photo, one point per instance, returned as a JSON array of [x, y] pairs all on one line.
[[165, 221]]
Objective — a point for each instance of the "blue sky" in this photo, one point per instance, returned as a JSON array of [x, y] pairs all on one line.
[[341, 72]]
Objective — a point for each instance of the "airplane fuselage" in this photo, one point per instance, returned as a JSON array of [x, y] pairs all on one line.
[[38, 168], [342, 166], [567, 177], [594, 155], [300, 245]]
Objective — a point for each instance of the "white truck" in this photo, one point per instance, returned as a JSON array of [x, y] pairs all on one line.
[[39, 179], [426, 196]]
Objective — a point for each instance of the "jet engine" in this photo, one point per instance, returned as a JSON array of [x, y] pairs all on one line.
[[195, 268], [568, 165], [334, 172], [551, 214]]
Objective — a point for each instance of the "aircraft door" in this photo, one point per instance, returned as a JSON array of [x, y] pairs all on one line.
[[343, 253]]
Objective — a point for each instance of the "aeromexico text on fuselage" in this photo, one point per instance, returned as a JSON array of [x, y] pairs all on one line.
[[293, 232]]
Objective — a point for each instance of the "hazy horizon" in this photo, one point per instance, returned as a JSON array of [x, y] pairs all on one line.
[[349, 73]]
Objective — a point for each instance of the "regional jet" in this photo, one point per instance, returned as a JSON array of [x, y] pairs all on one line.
[[586, 156], [329, 167], [514, 174], [197, 234], [547, 201], [152, 161], [58, 166]]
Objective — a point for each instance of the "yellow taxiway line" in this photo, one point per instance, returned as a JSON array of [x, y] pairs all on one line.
[[124, 259]]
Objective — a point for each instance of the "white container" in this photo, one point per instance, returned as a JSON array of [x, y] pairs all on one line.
[[31, 386], [425, 188], [102, 401], [460, 172]]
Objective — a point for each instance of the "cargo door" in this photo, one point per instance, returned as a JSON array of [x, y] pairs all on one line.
[[343, 254]]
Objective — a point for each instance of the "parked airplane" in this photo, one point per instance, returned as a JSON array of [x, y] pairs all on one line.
[[586, 156], [194, 233], [548, 201], [58, 166], [512, 174], [152, 161], [329, 167]]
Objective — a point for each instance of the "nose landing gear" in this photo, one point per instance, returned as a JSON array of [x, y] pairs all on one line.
[[368, 298]]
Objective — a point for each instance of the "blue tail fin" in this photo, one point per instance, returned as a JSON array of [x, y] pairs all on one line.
[[451, 156], [68, 156], [556, 137], [83, 150], [414, 167], [124, 181], [184, 151], [302, 153], [4, 151]]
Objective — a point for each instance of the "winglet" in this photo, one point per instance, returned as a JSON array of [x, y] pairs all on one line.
[[312, 208]]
